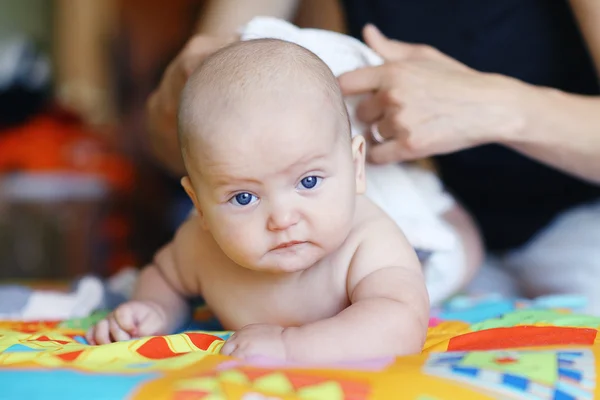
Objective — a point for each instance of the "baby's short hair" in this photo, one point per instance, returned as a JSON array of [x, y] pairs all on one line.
[[242, 71]]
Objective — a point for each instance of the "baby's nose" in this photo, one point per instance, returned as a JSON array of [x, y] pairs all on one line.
[[282, 217]]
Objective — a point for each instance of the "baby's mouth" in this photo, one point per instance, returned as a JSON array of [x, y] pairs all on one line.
[[288, 245]]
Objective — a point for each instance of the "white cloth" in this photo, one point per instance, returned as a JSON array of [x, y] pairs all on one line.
[[413, 197], [54, 305]]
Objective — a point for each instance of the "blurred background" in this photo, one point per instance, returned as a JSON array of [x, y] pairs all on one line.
[[79, 191]]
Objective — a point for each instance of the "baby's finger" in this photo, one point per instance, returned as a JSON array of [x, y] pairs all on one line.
[[151, 322], [241, 352], [116, 331], [101, 332], [125, 317], [228, 348], [90, 336]]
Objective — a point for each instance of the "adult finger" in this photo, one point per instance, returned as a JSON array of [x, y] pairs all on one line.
[[389, 126], [388, 152], [362, 80], [390, 50], [373, 137], [394, 50], [371, 108]]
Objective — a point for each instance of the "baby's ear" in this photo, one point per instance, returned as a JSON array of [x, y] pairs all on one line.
[[189, 189], [358, 157]]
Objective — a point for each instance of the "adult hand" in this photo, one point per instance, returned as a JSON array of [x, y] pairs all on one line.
[[164, 101], [424, 103]]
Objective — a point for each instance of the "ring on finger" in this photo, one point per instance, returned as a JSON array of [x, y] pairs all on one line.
[[376, 135]]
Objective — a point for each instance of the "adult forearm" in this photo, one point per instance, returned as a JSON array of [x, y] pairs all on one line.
[[224, 17], [557, 128], [217, 26]]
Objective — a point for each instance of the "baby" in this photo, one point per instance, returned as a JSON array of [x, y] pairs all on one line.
[[285, 248]]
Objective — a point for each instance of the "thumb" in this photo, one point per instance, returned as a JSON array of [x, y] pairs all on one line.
[[390, 50], [150, 320], [125, 315]]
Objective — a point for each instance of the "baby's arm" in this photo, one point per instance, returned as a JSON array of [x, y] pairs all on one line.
[[390, 308], [158, 305]]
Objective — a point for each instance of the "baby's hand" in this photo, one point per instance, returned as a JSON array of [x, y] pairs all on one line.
[[130, 320], [254, 340]]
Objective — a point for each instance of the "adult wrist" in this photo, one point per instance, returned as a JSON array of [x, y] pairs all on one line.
[[533, 112], [509, 109]]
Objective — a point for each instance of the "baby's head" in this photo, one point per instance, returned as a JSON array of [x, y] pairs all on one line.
[[273, 171]]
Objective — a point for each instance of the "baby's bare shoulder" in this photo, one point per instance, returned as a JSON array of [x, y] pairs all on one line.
[[384, 264], [367, 217], [369, 223], [195, 251], [379, 243], [190, 239], [369, 220]]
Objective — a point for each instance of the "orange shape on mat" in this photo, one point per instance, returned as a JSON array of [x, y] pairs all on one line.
[[505, 360], [351, 388], [299, 381], [70, 356], [29, 326], [522, 336], [202, 340], [190, 395], [45, 338], [157, 348]]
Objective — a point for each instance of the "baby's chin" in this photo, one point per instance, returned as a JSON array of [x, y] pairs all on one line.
[[285, 261]]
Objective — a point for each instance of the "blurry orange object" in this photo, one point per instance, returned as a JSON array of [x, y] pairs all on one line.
[[57, 142]]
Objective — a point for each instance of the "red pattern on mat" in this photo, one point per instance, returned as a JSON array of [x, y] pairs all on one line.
[[522, 336]]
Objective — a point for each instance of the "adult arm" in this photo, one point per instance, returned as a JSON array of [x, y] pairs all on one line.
[[426, 103], [216, 28], [563, 130]]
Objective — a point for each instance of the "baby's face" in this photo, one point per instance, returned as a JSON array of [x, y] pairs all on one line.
[[278, 194]]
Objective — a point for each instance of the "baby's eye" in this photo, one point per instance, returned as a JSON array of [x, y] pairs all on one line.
[[310, 182], [243, 199]]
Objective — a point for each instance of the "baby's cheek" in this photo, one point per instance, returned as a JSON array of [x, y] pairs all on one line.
[[335, 217], [242, 242]]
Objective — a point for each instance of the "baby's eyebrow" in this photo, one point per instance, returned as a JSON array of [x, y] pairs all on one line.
[[306, 160], [219, 181], [225, 180]]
